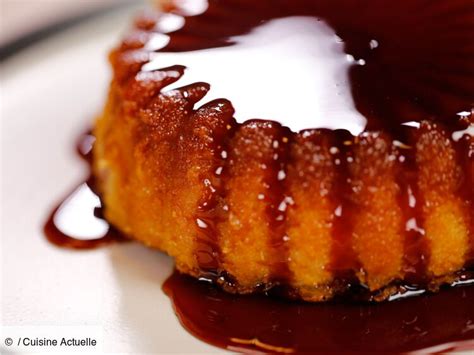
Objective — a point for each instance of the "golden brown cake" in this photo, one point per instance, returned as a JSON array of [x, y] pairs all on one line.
[[253, 203]]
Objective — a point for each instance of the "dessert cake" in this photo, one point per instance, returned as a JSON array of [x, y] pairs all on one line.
[[305, 145]]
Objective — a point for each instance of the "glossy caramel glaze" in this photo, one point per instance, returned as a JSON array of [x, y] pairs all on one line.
[[249, 323], [78, 222], [376, 191], [62, 229]]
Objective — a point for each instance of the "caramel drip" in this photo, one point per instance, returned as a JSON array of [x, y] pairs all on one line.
[[416, 249], [208, 215], [212, 208], [278, 203], [465, 156], [64, 240], [256, 323], [51, 228], [344, 262]]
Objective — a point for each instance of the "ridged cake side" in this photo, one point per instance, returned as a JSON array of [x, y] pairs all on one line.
[[254, 205]]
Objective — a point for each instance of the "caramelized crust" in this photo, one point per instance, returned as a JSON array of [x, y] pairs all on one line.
[[161, 165], [253, 205]]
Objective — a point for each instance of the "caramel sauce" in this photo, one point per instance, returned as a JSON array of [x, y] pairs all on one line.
[[211, 208], [77, 222], [431, 323], [343, 259], [416, 251], [465, 153]]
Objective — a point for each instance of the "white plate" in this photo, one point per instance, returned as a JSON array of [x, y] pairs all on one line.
[[50, 94]]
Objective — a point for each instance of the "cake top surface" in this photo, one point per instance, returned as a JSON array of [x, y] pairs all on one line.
[[316, 64]]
